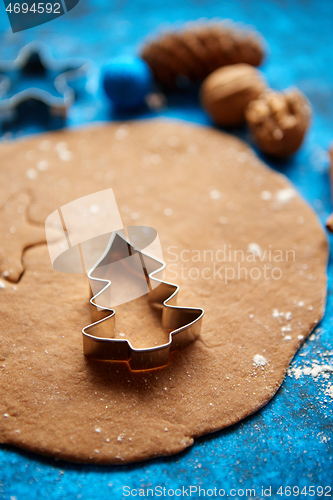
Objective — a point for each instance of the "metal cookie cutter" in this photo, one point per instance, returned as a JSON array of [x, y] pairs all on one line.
[[120, 261], [122, 264], [35, 75]]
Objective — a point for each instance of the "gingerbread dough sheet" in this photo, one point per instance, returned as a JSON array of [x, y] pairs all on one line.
[[208, 196]]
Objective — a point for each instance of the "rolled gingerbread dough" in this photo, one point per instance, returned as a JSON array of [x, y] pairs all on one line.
[[207, 194]]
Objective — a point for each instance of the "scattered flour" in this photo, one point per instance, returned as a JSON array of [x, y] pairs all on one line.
[[266, 195], [277, 313], [42, 165], [255, 249], [259, 360], [31, 173], [214, 194], [285, 195], [121, 133], [314, 370], [63, 153], [329, 391]]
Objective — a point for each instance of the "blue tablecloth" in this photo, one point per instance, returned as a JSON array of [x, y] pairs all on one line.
[[289, 442]]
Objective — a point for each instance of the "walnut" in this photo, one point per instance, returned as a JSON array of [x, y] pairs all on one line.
[[227, 91], [189, 54], [279, 121]]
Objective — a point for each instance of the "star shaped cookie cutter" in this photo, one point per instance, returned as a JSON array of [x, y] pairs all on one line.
[[34, 74], [183, 323]]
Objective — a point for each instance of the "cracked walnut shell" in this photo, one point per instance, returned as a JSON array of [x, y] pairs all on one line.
[[279, 121], [227, 91], [191, 53]]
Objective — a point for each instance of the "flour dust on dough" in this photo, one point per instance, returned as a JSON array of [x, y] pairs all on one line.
[[207, 194]]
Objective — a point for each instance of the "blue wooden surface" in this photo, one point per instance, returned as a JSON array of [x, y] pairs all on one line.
[[289, 442]]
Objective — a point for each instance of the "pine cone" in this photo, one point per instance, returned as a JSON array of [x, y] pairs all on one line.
[[192, 53]]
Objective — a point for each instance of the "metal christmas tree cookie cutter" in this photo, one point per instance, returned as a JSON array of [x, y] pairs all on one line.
[[122, 264], [183, 323]]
